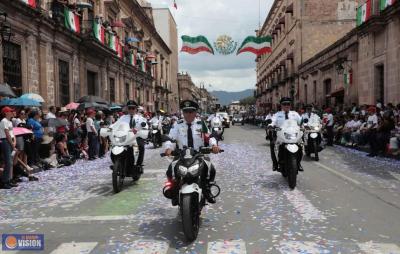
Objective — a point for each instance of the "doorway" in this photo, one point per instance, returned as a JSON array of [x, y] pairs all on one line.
[[380, 83], [91, 82]]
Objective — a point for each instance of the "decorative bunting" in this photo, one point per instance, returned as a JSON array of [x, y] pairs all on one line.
[[112, 41], [225, 45], [98, 31], [383, 4], [194, 45], [348, 78], [363, 12], [256, 45]]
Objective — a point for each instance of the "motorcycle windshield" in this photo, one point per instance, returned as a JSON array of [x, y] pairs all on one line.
[[289, 124], [120, 127], [313, 121]]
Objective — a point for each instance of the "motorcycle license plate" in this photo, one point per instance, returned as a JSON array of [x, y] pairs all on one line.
[[314, 135], [216, 129]]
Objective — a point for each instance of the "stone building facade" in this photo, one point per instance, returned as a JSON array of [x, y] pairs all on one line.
[[47, 57], [370, 53], [299, 30]]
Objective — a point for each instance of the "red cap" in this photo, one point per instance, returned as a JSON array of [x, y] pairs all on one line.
[[7, 110], [328, 110], [371, 109], [90, 111]]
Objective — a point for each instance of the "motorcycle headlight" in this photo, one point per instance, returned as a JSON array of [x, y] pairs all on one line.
[[121, 139], [316, 128], [193, 170], [183, 170], [290, 136]]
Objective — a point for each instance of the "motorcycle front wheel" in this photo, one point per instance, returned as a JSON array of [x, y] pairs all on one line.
[[117, 176], [190, 216], [293, 169], [315, 145]]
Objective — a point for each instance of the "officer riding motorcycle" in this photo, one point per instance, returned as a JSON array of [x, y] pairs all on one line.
[[312, 136], [189, 133], [156, 127], [277, 120]]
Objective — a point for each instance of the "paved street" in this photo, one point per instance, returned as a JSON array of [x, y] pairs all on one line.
[[346, 203]]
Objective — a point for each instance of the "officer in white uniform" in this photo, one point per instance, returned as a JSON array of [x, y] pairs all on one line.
[[309, 114], [189, 132], [137, 122], [277, 121]]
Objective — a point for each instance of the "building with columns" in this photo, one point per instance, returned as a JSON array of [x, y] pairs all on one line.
[[63, 52], [299, 30]]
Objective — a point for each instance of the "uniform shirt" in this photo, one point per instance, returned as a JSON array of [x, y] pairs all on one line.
[[137, 118], [6, 124], [179, 133], [279, 118], [157, 120], [212, 116]]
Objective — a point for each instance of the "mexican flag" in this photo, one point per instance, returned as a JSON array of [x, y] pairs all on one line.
[[72, 20], [363, 12], [194, 45], [120, 51], [31, 3], [112, 41], [132, 59], [383, 4], [256, 45], [98, 31], [348, 78]]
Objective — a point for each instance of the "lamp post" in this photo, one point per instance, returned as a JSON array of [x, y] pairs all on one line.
[[5, 28]]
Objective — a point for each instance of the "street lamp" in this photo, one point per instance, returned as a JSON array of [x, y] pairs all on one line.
[[5, 27]]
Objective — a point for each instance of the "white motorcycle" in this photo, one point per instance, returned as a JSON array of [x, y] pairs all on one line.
[[155, 135], [217, 128], [288, 146], [123, 145], [312, 136]]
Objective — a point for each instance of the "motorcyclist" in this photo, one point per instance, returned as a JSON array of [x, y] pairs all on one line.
[[277, 121], [157, 120], [215, 115], [309, 114], [189, 132], [135, 120]]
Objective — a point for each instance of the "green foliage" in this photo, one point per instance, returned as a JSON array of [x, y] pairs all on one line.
[[248, 100]]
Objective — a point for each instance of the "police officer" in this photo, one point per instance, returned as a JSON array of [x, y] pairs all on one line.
[[189, 132], [277, 121], [309, 114], [135, 120]]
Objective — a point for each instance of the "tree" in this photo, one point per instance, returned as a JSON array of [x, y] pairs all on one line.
[[248, 101]]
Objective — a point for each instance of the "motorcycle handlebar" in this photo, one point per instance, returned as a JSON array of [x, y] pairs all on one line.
[[205, 150]]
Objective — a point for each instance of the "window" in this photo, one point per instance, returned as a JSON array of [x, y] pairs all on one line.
[[147, 96], [12, 66], [63, 75], [380, 83], [91, 82], [315, 91], [112, 90], [305, 94], [327, 86]]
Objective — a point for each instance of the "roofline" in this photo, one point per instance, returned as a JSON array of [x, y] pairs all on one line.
[[269, 15], [170, 13]]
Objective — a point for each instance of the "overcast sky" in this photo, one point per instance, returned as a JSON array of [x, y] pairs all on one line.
[[212, 18]]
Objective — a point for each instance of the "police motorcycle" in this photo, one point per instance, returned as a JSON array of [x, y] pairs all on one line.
[[190, 167], [123, 145], [288, 146], [155, 134], [217, 128], [166, 125], [312, 136]]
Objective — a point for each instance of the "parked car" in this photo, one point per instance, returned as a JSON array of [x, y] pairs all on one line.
[[238, 119], [227, 122]]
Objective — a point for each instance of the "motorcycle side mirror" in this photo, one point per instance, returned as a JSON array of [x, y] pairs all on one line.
[[143, 124], [305, 120], [269, 121]]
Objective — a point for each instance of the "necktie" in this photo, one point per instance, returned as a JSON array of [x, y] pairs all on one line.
[[190, 135], [132, 123], [286, 115]]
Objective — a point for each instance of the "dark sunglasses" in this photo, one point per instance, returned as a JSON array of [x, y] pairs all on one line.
[[286, 104], [189, 111], [132, 107]]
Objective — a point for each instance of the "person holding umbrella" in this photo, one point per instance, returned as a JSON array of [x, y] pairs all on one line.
[[7, 145]]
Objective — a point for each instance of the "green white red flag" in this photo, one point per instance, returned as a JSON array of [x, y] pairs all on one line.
[[98, 31], [112, 41], [256, 45], [383, 4], [348, 78], [194, 45], [363, 12], [31, 3], [72, 20]]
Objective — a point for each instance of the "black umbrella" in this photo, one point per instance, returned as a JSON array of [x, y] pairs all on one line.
[[92, 98], [95, 105], [6, 91]]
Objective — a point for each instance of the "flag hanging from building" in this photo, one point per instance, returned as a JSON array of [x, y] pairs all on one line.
[[348, 78], [112, 41], [72, 20], [98, 31], [256, 45], [120, 50], [363, 12], [385, 3], [31, 3], [194, 45], [132, 59]]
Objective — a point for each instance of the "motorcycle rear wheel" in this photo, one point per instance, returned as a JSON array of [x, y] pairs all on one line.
[[117, 176], [190, 216]]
